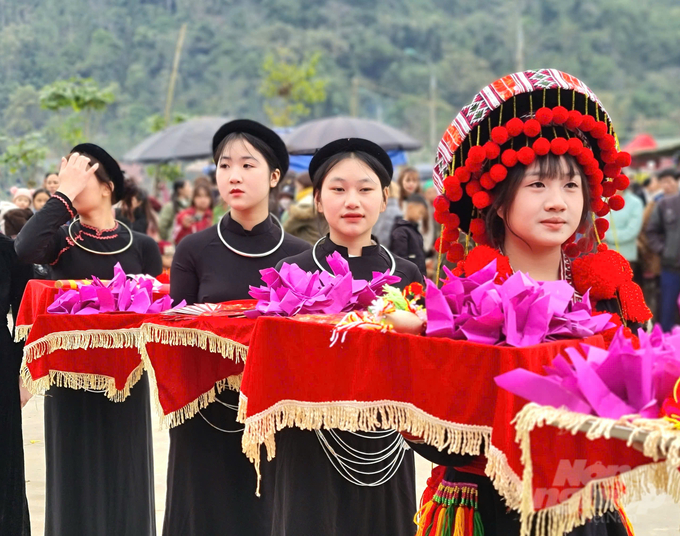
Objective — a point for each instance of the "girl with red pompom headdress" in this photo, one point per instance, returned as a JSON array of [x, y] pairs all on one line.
[[535, 202]]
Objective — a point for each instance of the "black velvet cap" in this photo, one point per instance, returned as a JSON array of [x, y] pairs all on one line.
[[351, 145], [108, 163], [261, 132]]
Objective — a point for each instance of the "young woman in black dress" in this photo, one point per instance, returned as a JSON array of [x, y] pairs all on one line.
[[330, 482], [99, 453], [211, 484], [14, 520]]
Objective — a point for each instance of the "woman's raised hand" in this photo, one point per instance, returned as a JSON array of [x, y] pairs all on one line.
[[74, 174]]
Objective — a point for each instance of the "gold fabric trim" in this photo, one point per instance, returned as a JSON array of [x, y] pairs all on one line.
[[21, 332], [80, 340]]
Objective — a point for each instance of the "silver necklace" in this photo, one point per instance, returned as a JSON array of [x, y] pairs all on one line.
[[70, 234], [251, 255], [316, 261]]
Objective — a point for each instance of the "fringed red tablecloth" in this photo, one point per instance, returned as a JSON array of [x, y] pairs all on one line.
[[438, 389], [192, 358]]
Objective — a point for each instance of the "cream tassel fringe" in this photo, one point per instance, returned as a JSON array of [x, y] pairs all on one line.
[[174, 336], [383, 415], [598, 496], [73, 380], [21, 333], [80, 340]]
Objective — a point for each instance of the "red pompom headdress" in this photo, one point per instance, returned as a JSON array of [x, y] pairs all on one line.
[[509, 123]]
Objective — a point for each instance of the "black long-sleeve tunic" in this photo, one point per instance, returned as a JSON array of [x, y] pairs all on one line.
[[310, 495], [211, 484], [14, 520], [98, 453]]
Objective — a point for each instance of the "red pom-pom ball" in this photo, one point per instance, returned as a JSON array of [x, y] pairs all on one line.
[[607, 142], [609, 157], [623, 159], [574, 146], [498, 172], [493, 150], [596, 203], [559, 146], [574, 119], [454, 194], [541, 146], [602, 273], [451, 182], [621, 182], [486, 181], [602, 226], [499, 135], [599, 130], [440, 203], [515, 126], [544, 115], [532, 128], [596, 190], [442, 246], [587, 123], [462, 174], [481, 200], [472, 187], [509, 157], [477, 154], [456, 253], [451, 234], [477, 226], [617, 202], [603, 211], [526, 155], [560, 115], [608, 189], [452, 223], [572, 250], [611, 170]]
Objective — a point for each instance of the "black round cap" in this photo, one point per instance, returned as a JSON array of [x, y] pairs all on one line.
[[259, 131], [108, 163], [351, 145]]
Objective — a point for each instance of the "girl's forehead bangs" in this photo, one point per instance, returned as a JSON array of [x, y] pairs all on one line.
[[244, 143], [556, 167]]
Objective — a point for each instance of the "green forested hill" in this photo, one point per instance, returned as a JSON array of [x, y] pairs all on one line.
[[628, 51]]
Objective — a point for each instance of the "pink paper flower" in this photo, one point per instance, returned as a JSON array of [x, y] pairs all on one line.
[[122, 293], [517, 312], [291, 290], [622, 380]]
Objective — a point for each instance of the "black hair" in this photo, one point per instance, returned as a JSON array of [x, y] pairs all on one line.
[[668, 172], [40, 191], [260, 146], [417, 198], [371, 161], [505, 191]]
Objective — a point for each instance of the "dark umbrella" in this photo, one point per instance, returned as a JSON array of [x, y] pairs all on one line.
[[189, 140], [312, 135]]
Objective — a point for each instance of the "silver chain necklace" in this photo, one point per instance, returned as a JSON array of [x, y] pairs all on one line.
[[70, 234], [316, 261], [250, 255]]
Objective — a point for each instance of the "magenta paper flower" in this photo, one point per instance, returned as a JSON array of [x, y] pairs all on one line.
[[122, 293], [291, 290], [622, 380], [518, 312]]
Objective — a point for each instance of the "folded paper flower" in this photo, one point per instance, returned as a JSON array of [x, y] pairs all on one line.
[[623, 380], [123, 293], [291, 290], [517, 312]]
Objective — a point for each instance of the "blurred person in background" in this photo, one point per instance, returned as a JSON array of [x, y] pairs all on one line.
[[651, 188], [51, 182], [286, 197], [40, 197], [663, 235], [668, 181], [302, 220], [625, 226], [167, 250], [198, 216], [179, 200], [409, 184], [15, 220], [406, 241], [135, 210], [383, 228], [21, 197], [14, 516]]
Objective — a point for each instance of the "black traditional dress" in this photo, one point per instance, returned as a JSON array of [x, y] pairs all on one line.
[[99, 453], [211, 484], [14, 519], [321, 484]]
